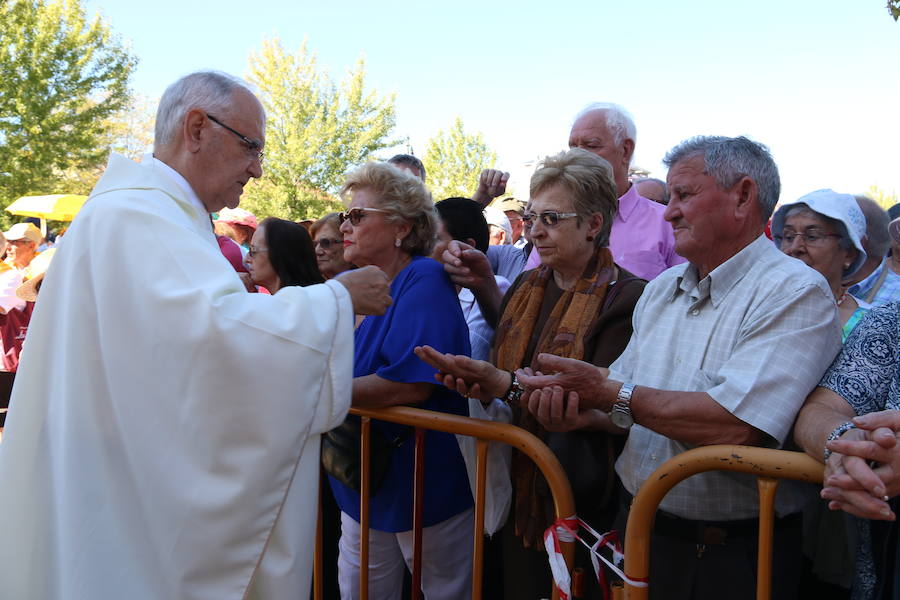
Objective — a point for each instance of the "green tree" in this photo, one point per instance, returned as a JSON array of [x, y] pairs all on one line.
[[884, 198], [128, 132], [893, 7], [316, 130], [454, 160], [62, 76]]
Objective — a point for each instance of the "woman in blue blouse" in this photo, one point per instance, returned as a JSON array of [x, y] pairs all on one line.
[[851, 422], [390, 223]]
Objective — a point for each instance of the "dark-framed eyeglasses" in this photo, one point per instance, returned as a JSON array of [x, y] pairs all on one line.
[[252, 252], [811, 237], [254, 148], [355, 215], [326, 243], [548, 218]]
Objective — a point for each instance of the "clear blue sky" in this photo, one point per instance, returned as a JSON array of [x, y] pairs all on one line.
[[818, 82]]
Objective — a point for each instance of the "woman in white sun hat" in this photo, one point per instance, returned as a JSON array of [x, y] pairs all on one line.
[[825, 230]]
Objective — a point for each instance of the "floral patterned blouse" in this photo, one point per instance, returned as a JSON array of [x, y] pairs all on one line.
[[867, 375]]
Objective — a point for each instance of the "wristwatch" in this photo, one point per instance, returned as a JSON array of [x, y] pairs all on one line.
[[620, 414]]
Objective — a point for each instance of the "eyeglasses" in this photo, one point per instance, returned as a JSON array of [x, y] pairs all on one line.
[[254, 148], [549, 218], [252, 252], [355, 215], [812, 237], [327, 243]]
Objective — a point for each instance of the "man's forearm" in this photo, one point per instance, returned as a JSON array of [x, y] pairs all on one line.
[[689, 417]]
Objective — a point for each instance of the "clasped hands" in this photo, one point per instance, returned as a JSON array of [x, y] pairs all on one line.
[[863, 470], [565, 400]]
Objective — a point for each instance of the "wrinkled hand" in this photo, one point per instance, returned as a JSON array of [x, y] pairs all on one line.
[[369, 289], [491, 184], [248, 282], [466, 376], [586, 380], [467, 267], [865, 467], [556, 411]]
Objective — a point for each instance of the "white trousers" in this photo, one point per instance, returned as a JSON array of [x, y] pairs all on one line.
[[446, 560]]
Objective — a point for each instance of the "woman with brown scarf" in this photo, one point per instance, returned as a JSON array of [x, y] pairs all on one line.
[[578, 304]]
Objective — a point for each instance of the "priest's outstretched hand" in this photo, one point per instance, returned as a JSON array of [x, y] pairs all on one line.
[[369, 289]]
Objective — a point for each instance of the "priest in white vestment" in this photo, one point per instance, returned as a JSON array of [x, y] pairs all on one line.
[[163, 435]]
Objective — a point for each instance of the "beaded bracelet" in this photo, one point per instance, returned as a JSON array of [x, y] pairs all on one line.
[[838, 432]]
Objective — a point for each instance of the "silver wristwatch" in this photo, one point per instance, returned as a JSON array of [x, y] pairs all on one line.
[[620, 414]]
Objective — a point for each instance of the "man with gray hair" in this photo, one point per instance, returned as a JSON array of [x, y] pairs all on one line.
[[163, 436], [713, 360], [878, 280], [641, 241]]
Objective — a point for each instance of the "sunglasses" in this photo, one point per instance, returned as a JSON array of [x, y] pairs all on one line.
[[327, 243], [549, 218], [355, 215]]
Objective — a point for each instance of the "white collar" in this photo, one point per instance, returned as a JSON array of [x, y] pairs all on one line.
[[179, 179]]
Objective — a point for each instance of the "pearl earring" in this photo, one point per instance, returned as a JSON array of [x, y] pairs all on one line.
[[397, 242]]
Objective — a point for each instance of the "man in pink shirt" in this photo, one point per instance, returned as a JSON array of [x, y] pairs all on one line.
[[641, 240]]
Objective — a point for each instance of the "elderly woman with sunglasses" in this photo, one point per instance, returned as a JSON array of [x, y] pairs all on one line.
[[329, 244], [825, 230], [578, 303], [390, 223]]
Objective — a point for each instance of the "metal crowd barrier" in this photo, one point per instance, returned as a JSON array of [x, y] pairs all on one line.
[[768, 465], [484, 432]]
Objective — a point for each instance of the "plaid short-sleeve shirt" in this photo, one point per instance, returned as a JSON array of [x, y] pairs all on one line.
[[756, 334]]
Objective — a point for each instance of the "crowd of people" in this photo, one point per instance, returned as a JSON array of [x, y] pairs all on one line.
[[188, 369]]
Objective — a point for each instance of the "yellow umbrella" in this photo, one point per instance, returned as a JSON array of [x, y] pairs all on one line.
[[57, 207]]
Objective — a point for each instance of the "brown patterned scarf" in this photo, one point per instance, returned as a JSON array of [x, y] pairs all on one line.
[[563, 334]]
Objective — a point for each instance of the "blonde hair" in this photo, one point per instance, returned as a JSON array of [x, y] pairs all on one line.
[[589, 181], [404, 195]]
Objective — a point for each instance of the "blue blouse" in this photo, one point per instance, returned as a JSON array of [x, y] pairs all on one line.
[[425, 311]]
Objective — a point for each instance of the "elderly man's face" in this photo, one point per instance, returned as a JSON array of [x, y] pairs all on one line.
[[20, 252], [698, 211], [228, 162], [591, 133]]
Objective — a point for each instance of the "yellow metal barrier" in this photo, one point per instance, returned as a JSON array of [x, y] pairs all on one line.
[[768, 465], [484, 431]]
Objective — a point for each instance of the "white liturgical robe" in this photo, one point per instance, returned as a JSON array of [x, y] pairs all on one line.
[[163, 435]]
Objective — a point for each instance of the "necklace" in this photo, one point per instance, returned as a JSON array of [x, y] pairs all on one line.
[[842, 298]]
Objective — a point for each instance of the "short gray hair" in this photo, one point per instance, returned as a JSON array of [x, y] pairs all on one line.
[[208, 90], [588, 179], [878, 239], [727, 160], [618, 120]]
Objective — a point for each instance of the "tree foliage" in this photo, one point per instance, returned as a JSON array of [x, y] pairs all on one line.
[[884, 198], [128, 132], [62, 77], [893, 7], [454, 160], [316, 130]]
